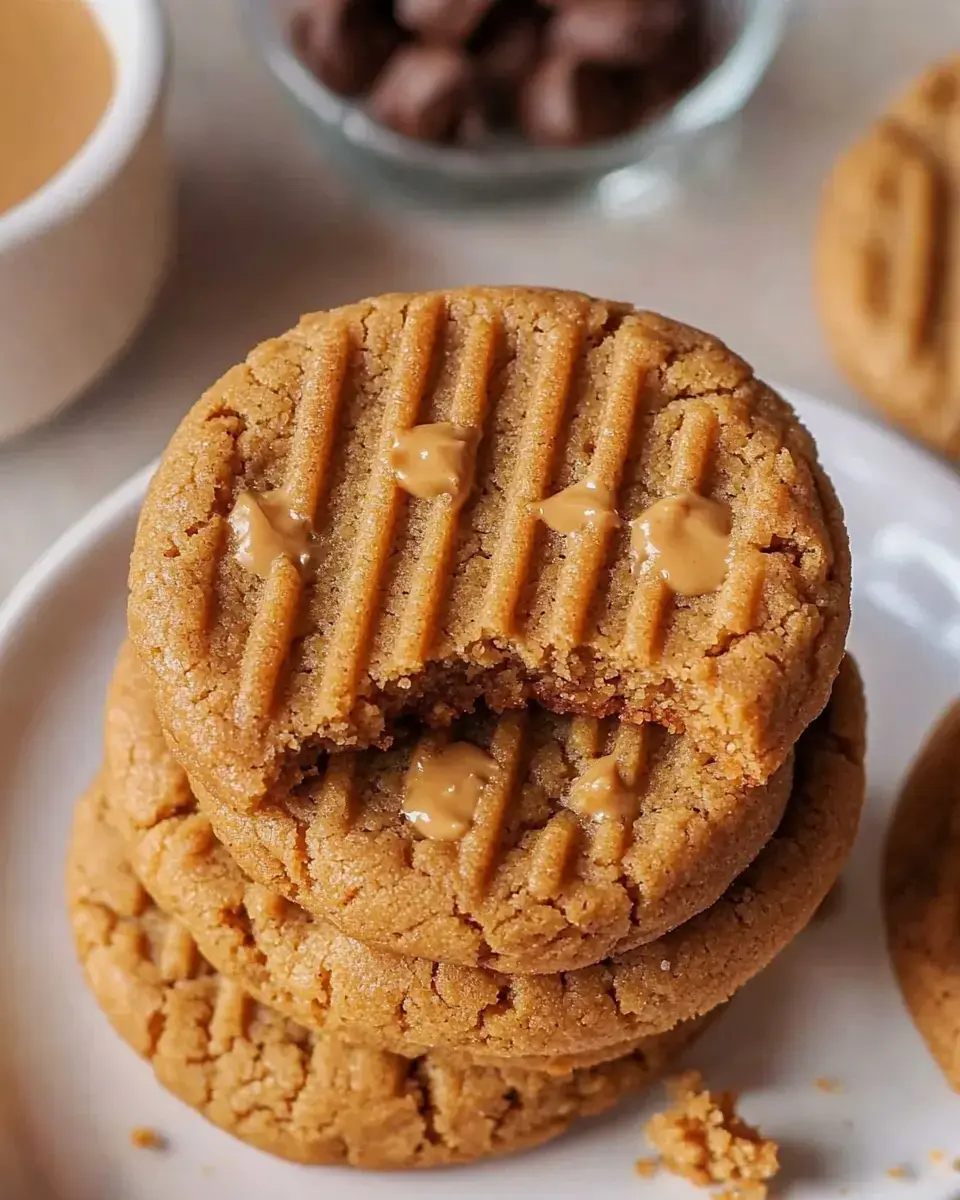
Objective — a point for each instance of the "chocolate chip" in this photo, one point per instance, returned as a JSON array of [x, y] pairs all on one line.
[[459, 69], [617, 32], [452, 21], [344, 43], [423, 92], [509, 52], [567, 102], [505, 56], [475, 127]]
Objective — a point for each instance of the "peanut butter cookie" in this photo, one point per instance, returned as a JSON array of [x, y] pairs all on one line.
[[303, 967], [302, 1095], [527, 843], [413, 502], [888, 260], [921, 893]]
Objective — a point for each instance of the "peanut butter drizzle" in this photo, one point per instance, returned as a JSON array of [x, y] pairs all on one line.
[[686, 540], [582, 505], [444, 789], [267, 528], [435, 460], [599, 792]]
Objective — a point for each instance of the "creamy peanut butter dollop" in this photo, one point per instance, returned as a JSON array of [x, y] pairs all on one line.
[[443, 790], [266, 528], [686, 540], [582, 505], [600, 791], [435, 460]]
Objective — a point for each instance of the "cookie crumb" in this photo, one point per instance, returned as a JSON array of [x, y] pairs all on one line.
[[646, 1168], [145, 1138], [956, 1164], [826, 1084], [937, 1157], [702, 1138], [901, 1173]]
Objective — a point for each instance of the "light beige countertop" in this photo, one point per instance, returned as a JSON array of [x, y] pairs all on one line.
[[267, 233]]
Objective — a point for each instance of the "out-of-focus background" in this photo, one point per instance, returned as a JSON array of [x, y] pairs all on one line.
[[267, 231]]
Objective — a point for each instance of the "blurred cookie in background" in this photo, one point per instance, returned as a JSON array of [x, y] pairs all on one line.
[[888, 260], [921, 893]]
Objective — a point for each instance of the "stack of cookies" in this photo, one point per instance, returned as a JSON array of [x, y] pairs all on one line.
[[484, 726]]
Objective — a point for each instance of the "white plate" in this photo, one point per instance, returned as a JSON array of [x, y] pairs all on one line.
[[71, 1091]]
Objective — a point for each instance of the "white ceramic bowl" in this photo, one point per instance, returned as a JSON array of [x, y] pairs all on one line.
[[82, 258]]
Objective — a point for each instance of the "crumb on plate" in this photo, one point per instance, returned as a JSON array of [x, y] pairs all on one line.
[[145, 1138], [901, 1173], [826, 1084], [937, 1157], [702, 1138], [646, 1168]]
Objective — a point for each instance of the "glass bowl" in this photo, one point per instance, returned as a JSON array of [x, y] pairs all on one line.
[[743, 36]]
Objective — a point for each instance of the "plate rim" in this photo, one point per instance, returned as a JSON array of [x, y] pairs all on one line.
[[74, 540]]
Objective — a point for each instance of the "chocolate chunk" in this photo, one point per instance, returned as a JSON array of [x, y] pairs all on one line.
[[508, 53], [452, 21], [475, 128], [344, 43], [423, 92], [567, 102], [616, 32], [505, 56]]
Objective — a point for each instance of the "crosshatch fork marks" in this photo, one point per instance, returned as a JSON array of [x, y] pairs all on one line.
[[478, 848], [361, 593], [429, 581], [557, 358], [901, 242], [274, 620], [692, 448], [584, 557]]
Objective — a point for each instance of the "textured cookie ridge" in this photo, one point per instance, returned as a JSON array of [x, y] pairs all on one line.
[[301, 966], [533, 886], [424, 605], [888, 259], [308, 1097]]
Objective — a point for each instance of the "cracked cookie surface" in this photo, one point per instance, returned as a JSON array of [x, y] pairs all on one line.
[[302, 966], [302, 1095], [533, 887], [405, 604]]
